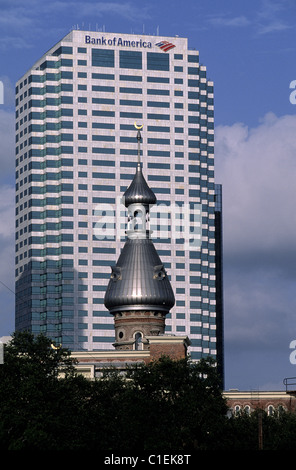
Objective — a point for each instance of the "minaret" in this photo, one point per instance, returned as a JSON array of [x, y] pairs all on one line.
[[139, 293]]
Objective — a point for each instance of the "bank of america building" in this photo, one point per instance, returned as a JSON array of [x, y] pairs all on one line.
[[76, 153]]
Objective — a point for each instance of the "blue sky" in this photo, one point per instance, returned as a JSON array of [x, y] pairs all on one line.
[[249, 49]]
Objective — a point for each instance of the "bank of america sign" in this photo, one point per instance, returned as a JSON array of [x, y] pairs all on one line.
[[118, 41]]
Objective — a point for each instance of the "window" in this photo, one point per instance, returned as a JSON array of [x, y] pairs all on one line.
[[102, 76], [138, 341], [130, 59], [193, 70], [130, 78], [158, 129], [63, 50], [247, 409], [102, 58], [131, 103], [193, 83], [159, 80], [193, 58], [103, 88], [270, 410], [158, 104], [158, 61], [237, 410], [153, 91], [164, 117], [159, 178], [103, 101], [130, 90], [159, 141], [131, 115]]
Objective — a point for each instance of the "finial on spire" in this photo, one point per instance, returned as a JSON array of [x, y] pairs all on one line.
[[139, 141]]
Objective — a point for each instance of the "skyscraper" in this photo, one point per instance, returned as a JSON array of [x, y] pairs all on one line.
[[76, 153]]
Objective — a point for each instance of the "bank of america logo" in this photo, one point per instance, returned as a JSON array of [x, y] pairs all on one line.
[[165, 45]]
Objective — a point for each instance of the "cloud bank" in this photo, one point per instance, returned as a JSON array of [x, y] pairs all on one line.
[[257, 168]]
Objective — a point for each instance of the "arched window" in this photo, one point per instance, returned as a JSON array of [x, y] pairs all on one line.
[[247, 409], [237, 409], [138, 341], [270, 410], [138, 220]]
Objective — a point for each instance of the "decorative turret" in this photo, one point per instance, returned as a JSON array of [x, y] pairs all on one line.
[[139, 293]]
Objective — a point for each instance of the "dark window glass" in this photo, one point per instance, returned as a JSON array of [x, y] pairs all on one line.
[[102, 58], [158, 61], [193, 58], [102, 76], [130, 78], [158, 80], [130, 60]]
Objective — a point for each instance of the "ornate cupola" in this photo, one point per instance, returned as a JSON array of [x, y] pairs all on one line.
[[139, 293]]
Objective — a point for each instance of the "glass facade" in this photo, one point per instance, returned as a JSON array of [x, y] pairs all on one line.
[[76, 152]]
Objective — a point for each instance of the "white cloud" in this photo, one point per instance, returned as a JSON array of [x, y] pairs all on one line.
[[257, 168], [7, 260], [7, 195], [235, 21], [7, 157], [268, 19]]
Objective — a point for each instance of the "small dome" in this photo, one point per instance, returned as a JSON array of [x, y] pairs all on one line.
[[139, 191]]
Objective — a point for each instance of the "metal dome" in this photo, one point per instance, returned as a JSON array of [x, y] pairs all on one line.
[[139, 280], [139, 191]]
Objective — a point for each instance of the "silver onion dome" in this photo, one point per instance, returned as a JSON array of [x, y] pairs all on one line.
[[139, 191], [139, 280]]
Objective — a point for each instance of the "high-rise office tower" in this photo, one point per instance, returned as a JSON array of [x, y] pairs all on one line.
[[76, 153]]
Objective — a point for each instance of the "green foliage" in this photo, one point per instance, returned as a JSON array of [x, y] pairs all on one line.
[[36, 406], [181, 401], [164, 406]]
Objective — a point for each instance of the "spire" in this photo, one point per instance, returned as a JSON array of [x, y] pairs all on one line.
[[139, 293], [139, 191]]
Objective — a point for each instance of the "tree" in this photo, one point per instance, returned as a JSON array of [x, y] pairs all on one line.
[[175, 405], [41, 395]]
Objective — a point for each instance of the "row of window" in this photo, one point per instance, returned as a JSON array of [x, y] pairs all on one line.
[[127, 59], [40, 103], [69, 150], [59, 299], [54, 77], [56, 89], [56, 126], [68, 325], [67, 313], [69, 137], [69, 288], [69, 238], [101, 163]]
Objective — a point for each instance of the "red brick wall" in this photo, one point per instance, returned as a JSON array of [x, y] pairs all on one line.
[[173, 350]]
